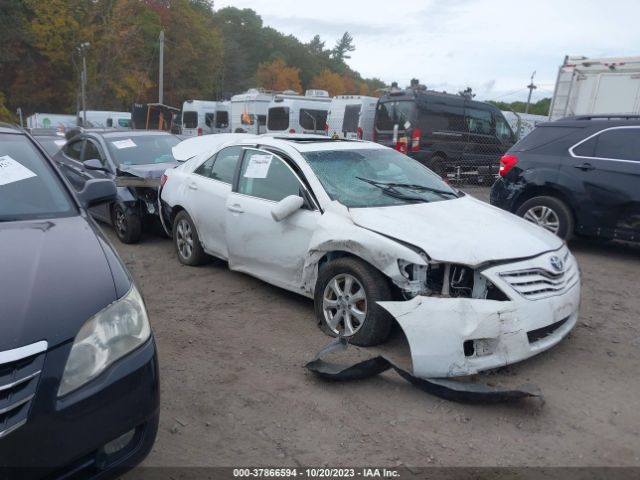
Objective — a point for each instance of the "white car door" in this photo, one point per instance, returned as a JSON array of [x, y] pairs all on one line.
[[208, 188], [258, 245]]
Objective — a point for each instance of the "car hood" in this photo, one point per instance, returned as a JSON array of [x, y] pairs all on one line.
[[54, 276], [464, 230], [151, 170]]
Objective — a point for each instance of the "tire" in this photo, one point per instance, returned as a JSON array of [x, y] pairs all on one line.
[[127, 225], [187, 242], [550, 213], [375, 325], [437, 165]]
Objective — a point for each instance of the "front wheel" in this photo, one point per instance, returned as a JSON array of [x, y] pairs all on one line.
[[346, 296], [549, 213], [127, 225]]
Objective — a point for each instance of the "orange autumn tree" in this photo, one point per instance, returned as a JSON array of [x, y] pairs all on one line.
[[327, 80], [277, 76]]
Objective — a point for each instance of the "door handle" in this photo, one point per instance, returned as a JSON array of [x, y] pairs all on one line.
[[193, 186], [585, 167], [235, 208]]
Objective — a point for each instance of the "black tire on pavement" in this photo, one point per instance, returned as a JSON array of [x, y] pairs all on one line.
[[127, 225], [187, 242], [550, 211]]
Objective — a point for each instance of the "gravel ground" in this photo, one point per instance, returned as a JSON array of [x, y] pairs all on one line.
[[234, 392]]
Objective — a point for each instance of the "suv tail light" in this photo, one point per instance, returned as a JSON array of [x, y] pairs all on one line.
[[415, 140], [199, 131], [326, 129], [506, 163], [359, 133], [292, 130], [163, 180]]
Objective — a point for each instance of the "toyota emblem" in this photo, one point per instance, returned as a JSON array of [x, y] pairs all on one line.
[[556, 263]]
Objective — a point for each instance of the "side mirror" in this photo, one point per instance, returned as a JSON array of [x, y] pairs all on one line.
[[94, 164], [97, 191], [286, 207]]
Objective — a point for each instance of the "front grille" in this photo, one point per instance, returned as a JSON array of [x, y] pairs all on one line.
[[540, 282], [19, 373], [540, 333]]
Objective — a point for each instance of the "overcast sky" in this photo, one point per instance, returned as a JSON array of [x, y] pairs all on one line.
[[491, 45]]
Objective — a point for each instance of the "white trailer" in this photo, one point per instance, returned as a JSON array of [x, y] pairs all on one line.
[[596, 86], [51, 120], [293, 113], [105, 119], [351, 116], [523, 123], [249, 111], [203, 117]]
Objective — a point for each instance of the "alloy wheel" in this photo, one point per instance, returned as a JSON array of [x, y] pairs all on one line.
[[344, 304]]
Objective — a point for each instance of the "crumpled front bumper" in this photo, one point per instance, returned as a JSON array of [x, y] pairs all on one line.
[[451, 337]]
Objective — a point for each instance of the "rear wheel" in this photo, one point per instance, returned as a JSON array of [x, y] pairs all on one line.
[[346, 296], [550, 213], [187, 242], [127, 225], [437, 165]]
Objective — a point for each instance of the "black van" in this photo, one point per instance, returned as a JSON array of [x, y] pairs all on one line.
[[445, 132]]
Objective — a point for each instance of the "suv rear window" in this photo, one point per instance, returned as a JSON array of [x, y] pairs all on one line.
[[278, 118], [190, 119], [393, 113], [540, 136], [351, 118]]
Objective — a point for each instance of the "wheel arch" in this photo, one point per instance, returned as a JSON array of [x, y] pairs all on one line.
[[544, 191]]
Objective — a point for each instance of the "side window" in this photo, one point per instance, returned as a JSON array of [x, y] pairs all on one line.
[[621, 144], [503, 130], [479, 121], [278, 118], [224, 167], [312, 119], [208, 119], [266, 176], [73, 149], [222, 119], [91, 150], [586, 149], [205, 168], [440, 116]]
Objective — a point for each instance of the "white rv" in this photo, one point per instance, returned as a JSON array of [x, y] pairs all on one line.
[[293, 113], [51, 120], [596, 86], [249, 111], [202, 117], [351, 116], [105, 119]]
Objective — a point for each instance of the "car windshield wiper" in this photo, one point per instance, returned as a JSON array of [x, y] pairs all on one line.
[[410, 186], [391, 190]]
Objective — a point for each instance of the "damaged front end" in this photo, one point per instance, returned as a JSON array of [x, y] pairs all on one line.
[[139, 192]]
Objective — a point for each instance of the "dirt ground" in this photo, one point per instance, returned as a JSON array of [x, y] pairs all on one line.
[[235, 393]]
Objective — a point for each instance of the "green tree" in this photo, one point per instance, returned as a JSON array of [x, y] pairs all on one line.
[[343, 47]]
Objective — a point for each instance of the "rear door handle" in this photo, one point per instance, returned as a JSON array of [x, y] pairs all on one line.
[[585, 167], [235, 208], [193, 186]]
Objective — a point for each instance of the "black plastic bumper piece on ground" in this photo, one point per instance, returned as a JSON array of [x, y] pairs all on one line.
[[454, 390]]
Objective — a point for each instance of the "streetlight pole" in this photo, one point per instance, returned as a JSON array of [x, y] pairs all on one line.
[[161, 70], [83, 81]]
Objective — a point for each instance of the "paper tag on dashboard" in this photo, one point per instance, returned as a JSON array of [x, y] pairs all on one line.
[[120, 144], [258, 166], [11, 171]]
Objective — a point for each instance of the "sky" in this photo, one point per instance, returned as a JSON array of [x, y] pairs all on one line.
[[493, 46]]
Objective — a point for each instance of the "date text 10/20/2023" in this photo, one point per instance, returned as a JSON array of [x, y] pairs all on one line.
[[323, 472]]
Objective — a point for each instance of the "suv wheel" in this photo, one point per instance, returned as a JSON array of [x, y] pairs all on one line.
[[549, 213]]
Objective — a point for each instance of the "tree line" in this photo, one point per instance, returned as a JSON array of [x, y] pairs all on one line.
[[207, 55]]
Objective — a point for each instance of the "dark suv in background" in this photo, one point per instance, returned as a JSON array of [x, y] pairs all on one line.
[[576, 175], [447, 133]]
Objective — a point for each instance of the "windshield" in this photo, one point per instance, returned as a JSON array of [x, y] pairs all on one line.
[[29, 189], [376, 178], [395, 113], [142, 150]]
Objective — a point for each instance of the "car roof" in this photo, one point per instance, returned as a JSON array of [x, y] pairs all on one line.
[[588, 121], [313, 143], [8, 128], [128, 133]]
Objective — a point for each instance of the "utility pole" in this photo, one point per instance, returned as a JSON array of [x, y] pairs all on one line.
[[161, 69], [531, 88], [83, 81]]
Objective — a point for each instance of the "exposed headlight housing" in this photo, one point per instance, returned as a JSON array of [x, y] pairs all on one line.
[[106, 337]]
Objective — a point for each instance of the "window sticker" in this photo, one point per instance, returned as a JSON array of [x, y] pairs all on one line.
[[60, 143], [11, 171], [258, 166], [120, 144]]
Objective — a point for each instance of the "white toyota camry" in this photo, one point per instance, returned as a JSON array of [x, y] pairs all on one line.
[[375, 237]]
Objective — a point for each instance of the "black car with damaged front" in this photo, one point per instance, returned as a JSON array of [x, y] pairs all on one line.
[[135, 160], [79, 392]]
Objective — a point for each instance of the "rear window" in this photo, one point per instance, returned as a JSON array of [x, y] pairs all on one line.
[[190, 119], [29, 189], [222, 119], [393, 113], [351, 118], [313, 119], [540, 136], [278, 118]]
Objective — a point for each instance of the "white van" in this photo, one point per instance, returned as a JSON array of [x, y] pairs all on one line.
[[51, 120], [202, 117], [105, 119], [249, 111], [293, 113], [351, 116]]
